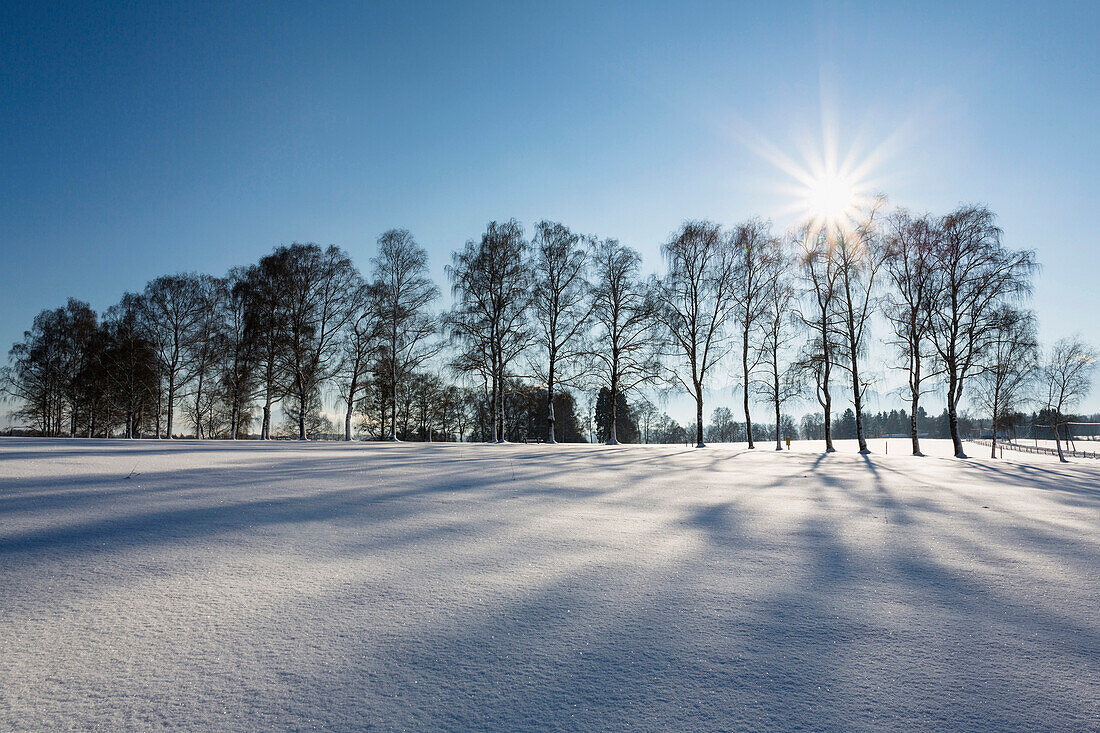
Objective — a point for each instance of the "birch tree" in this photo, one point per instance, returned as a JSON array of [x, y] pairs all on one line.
[[404, 291], [172, 310], [34, 377], [562, 309], [752, 246], [315, 288], [858, 258], [781, 385], [264, 318], [695, 300], [1009, 366], [130, 364], [910, 246], [818, 312], [240, 347], [360, 343], [491, 283], [211, 294], [623, 312], [1067, 376], [974, 276]]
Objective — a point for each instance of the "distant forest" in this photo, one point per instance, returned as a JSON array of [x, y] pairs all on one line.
[[560, 336]]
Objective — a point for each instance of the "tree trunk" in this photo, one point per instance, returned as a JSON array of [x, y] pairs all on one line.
[[857, 401], [699, 416], [953, 418], [501, 435], [914, 399], [171, 403], [612, 433], [1058, 439], [778, 416], [827, 404], [198, 407], [351, 401], [913, 407], [745, 374], [550, 405], [993, 430], [301, 408], [493, 410], [393, 397]]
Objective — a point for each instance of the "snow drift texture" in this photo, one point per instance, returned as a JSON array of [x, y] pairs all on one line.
[[242, 586]]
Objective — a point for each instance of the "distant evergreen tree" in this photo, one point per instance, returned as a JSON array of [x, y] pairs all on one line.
[[844, 426], [527, 419], [626, 427], [787, 428]]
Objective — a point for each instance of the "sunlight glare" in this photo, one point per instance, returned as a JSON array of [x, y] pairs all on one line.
[[831, 197]]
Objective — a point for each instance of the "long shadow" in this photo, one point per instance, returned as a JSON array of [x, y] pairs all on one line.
[[219, 510], [799, 626]]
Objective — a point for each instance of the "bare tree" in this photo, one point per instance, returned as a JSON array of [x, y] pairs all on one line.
[[647, 412], [360, 343], [50, 370], [562, 309], [752, 246], [172, 311], [1009, 366], [131, 364], [34, 377], [239, 351], [623, 312], [265, 315], [315, 288], [910, 246], [464, 410], [694, 302], [858, 258], [974, 277], [399, 272], [818, 312], [491, 282], [1067, 373], [79, 332], [723, 428], [211, 294], [781, 384]]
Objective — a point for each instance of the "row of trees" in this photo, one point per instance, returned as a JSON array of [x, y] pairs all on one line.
[[221, 349], [954, 297], [533, 321]]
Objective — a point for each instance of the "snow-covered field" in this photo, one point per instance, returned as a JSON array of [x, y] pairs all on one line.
[[219, 586]]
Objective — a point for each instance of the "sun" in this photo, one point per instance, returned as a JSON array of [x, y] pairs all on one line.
[[827, 192], [826, 186], [831, 198]]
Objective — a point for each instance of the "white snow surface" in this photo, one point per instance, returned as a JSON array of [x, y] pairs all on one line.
[[244, 586]]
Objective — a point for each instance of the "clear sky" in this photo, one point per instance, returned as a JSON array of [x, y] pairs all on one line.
[[141, 140]]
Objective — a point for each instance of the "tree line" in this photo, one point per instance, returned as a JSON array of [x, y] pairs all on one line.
[[535, 320]]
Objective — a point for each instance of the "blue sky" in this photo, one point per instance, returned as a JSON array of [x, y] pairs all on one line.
[[146, 139]]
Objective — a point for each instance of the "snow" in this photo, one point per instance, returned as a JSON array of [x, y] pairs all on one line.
[[243, 586]]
